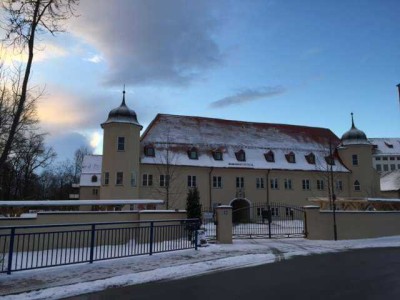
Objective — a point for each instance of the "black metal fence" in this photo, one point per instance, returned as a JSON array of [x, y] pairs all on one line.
[[208, 223], [273, 220], [42, 246]]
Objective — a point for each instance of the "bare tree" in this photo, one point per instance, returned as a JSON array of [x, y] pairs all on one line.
[[78, 160], [24, 19]]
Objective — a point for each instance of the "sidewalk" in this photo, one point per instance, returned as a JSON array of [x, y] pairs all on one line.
[[65, 281]]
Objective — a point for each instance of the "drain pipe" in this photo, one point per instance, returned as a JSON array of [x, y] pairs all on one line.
[[209, 186]]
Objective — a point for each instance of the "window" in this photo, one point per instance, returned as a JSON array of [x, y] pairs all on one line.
[[288, 184], [392, 158], [385, 158], [274, 183], [217, 182], [119, 180], [289, 212], [239, 182], [310, 158], [290, 157], [398, 166], [398, 157], [354, 159], [192, 153], [377, 158], [121, 143], [339, 185], [385, 168], [259, 182], [149, 150], [357, 186], [95, 192], [147, 180], [306, 184], [330, 160], [269, 156], [275, 211], [133, 179], [320, 185], [192, 181], [94, 178], [217, 155], [378, 168], [164, 180], [106, 178], [392, 167], [240, 155], [389, 145]]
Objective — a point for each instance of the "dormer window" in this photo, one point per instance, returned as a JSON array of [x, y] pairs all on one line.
[[149, 150], [310, 158], [241, 155], [389, 145], [269, 156], [193, 154], [290, 157], [330, 160], [217, 154], [94, 178]]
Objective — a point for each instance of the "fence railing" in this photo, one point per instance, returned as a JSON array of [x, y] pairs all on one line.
[[42, 246]]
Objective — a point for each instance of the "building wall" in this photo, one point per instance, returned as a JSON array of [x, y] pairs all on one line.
[[126, 161], [89, 193], [363, 172], [228, 192], [351, 224]]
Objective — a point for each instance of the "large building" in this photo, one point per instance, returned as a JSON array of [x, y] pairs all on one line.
[[386, 154], [230, 162]]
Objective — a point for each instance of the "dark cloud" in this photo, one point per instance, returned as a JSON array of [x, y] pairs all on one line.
[[66, 144], [151, 42], [248, 95]]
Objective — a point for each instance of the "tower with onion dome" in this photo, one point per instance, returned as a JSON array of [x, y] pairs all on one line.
[[121, 148], [355, 151]]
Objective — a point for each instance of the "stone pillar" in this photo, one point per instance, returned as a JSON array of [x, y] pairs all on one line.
[[224, 224]]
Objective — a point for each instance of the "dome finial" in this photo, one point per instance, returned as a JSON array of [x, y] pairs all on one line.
[[123, 96], [352, 121]]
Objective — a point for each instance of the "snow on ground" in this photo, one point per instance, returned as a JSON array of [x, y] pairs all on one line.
[[66, 281]]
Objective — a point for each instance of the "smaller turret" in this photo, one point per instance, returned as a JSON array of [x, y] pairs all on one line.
[[354, 136]]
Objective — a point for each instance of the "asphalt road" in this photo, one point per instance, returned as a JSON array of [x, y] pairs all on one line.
[[357, 274]]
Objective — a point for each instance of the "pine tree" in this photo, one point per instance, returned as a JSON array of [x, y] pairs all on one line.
[[193, 206]]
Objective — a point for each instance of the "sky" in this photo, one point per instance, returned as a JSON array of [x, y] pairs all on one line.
[[307, 62]]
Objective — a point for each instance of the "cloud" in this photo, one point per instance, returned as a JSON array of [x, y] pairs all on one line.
[[43, 51], [151, 42], [248, 95], [95, 59], [65, 144]]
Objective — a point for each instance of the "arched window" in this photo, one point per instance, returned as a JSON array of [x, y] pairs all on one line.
[[290, 157], [269, 156], [357, 186], [310, 158], [241, 155], [193, 154], [94, 178]]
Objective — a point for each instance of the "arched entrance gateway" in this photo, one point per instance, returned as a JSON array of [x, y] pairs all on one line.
[[240, 210]]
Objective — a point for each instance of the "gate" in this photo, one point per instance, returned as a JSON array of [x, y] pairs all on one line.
[[273, 220]]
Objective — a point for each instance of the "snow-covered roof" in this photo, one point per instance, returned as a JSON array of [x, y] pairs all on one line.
[[172, 136], [77, 202], [386, 146], [91, 166], [390, 181]]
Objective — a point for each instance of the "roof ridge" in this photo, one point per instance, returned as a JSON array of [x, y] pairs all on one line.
[[238, 121]]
